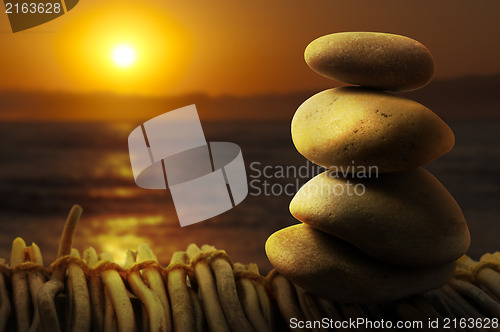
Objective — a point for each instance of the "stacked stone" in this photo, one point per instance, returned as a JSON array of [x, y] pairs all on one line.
[[376, 226]]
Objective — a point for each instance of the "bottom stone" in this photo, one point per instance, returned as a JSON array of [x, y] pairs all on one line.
[[336, 270]]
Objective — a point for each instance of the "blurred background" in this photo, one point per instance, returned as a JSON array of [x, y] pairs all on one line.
[[72, 90]]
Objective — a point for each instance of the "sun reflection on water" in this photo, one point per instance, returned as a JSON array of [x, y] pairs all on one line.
[[116, 165], [117, 246], [118, 192], [116, 234]]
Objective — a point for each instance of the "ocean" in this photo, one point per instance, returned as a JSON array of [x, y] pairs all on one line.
[[45, 168]]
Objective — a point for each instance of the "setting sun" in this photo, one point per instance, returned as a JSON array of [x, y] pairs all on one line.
[[136, 49], [123, 55]]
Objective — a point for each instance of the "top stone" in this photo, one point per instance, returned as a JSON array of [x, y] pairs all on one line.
[[376, 60]]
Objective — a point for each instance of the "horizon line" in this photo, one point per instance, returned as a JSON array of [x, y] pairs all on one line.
[[334, 84]]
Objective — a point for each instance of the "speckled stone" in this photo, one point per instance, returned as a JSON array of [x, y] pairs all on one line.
[[377, 60], [353, 126], [406, 218], [334, 269]]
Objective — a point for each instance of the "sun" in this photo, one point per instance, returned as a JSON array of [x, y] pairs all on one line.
[[129, 49], [123, 55]]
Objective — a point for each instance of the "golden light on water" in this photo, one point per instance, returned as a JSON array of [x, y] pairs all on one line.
[[114, 164], [117, 246], [123, 55], [115, 234]]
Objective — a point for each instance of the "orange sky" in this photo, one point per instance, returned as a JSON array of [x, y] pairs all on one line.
[[229, 46]]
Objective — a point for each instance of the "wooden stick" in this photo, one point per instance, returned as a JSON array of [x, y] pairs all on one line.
[[199, 317], [426, 308], [153, 305], [5, 305], [436, 298], [49, 290], [130, 258], [118, 296], [226, 288], [144, 318], [210, 299], [35, 280], [302, 304], [287, 300], [310, 303], [490, 279], [458, 305], [20, 290], [266, 307], [120, 299], [250, 301], [96, 291], [79, 316], [46, 305], [66, 242], [154, 280], [329, 310], [477, 295], [182, 308], [110, 321]]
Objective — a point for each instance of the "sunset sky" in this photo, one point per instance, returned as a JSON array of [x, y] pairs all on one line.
[[126, 61], [228, 47]]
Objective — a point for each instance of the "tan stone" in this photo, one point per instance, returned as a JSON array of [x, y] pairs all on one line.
[[352, 126], [377, 60], [406, 218], [332, 268]]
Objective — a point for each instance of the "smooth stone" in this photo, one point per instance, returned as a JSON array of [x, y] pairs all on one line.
[[334, 269], [377, 60], [350, 127], [406, 218]]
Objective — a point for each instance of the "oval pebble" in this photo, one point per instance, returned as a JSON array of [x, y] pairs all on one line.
[[406, 218], [334, 269], [352, 127], [377, 60]]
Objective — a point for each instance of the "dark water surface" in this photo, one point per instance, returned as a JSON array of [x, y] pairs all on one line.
[[47, 167]]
